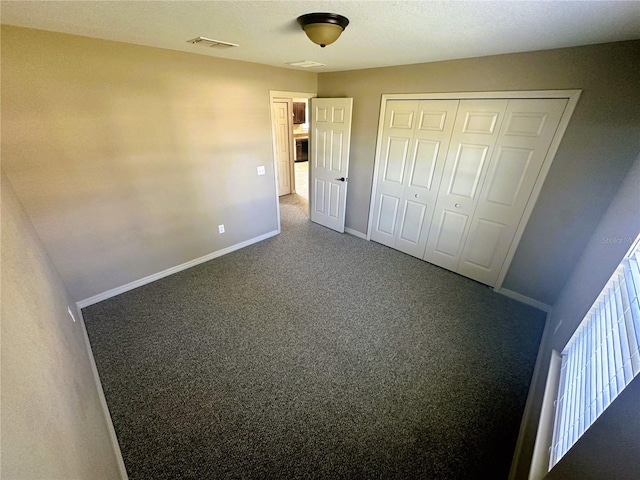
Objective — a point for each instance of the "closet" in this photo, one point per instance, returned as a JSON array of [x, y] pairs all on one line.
[[454, 177]]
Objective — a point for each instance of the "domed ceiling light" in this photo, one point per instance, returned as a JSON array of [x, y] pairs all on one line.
[[323, 28]]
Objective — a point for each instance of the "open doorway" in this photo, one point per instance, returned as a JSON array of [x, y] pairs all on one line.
[[290, 131], [301, 151]]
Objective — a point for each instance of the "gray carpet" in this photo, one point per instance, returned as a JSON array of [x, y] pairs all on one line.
[[315, 355]]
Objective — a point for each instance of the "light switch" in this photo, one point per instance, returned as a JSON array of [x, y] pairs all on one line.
[[261, 170]]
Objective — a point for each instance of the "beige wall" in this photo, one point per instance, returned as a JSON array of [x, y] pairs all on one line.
[[602, 254], [596, 153], [53, 425], [126, 158]]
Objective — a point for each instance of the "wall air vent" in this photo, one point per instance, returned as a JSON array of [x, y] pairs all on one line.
[[306, 64], [207, 42]]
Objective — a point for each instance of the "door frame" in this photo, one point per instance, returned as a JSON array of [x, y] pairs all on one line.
[[274, 95], [572, 97], [290, 140]]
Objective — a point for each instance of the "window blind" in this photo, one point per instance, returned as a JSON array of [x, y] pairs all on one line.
[[601, 358]]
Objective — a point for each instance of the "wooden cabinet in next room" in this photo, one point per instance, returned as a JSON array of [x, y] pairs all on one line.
[[299, 113]]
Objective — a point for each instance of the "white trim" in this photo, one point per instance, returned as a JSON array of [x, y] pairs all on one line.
[[103, 401], [355, 233], [170, 271], [482, 95], [571, 95], [282, 94], [524, 299], [544, 435], [530, 399], [376, 163]]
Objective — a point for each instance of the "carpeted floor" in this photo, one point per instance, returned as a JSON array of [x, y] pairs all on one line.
[[315, 355]]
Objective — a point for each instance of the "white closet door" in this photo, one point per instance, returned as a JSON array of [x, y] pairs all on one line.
[[521, 147], [474, 136], [414, 148]]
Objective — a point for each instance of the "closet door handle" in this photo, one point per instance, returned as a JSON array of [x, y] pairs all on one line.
[[457, 205]]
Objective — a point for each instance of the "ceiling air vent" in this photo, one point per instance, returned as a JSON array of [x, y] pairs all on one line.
[[207, 42], [306, 64]]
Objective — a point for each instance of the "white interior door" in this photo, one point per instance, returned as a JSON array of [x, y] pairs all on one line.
[[282, 125], [415, 141], [330, 137], [522, 144], [472, 143]]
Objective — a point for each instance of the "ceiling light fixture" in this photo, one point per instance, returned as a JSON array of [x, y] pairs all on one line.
[[323, 28]]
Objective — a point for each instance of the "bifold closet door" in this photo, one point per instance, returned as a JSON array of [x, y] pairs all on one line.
[[455, 177], [526, 134], [472, 143], [415, 138], [496, 154]]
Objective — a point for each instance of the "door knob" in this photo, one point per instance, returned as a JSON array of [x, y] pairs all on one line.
[[342, 179], [457, 205], [417, 195]]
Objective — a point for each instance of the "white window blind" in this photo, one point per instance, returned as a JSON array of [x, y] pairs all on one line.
[[601, 358]]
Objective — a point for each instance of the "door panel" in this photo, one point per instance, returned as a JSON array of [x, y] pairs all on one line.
[[412, 221], [330, 135], [472, 143], [396, 159], [467, 169], [281, 122], [402, 115], [334, 201], [414, 146], [337, 142], [450, 230], [526, 124], [338, 114], [319, 193], [387, 217], [510, 163], [481, 251], [482, 122], [433, 120], [320, 149], [424, 163], [521, 147]]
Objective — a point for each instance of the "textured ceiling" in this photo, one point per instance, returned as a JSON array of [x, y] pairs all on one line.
[[381, 33]]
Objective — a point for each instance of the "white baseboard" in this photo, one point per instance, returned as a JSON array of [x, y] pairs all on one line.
[[524, 299], [355, 233], [170, 271], [103, 402]]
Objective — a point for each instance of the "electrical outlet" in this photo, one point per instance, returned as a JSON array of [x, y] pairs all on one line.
[[221, 228], [73, 317], [261, 170]]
